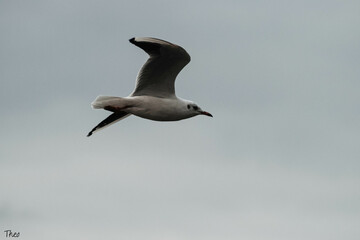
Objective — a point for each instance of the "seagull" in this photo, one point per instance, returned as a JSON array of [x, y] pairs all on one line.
[[154, 94]]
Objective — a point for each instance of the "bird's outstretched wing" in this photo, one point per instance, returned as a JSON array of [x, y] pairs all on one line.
[[111, 119], [157, 76]]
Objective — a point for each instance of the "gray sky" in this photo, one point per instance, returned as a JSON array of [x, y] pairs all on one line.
[[279, 160]]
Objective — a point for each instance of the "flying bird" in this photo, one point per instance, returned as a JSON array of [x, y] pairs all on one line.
[[154, 94]]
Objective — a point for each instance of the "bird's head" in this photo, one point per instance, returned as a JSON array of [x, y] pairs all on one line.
[[196, 110]]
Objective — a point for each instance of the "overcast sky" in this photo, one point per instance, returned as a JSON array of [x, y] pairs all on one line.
[[279, 160]]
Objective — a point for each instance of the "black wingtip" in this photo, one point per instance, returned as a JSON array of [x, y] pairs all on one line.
[[89, 134], [132, 40]]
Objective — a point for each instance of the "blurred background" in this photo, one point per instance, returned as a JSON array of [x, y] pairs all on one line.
[[279, 160]]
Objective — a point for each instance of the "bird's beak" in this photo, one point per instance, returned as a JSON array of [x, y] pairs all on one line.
[[206, 113]]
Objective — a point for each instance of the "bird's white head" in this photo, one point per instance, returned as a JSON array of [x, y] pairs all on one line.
[[194, 109]]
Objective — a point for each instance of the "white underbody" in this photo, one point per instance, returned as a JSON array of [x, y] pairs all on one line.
[[149, 107]]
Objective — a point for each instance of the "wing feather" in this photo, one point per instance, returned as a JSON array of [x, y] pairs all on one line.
[[158, 74], [111, 119]]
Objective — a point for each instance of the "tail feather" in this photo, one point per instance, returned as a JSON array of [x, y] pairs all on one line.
[[104, 101], [113, 118]]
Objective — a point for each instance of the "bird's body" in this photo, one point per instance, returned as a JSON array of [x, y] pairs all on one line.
[[160, 109], [149, 107], [154, 95]]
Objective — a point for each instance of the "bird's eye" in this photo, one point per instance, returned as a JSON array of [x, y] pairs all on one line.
[[195, 107], [188, 106]]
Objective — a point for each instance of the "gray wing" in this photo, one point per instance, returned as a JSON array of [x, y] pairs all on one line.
[[157, 76], [113, 118]]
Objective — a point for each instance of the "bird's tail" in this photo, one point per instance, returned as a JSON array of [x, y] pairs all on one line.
[[104, 101], [113, 104]]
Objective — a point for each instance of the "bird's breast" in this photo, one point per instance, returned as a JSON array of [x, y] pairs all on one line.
[[158, 109]]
